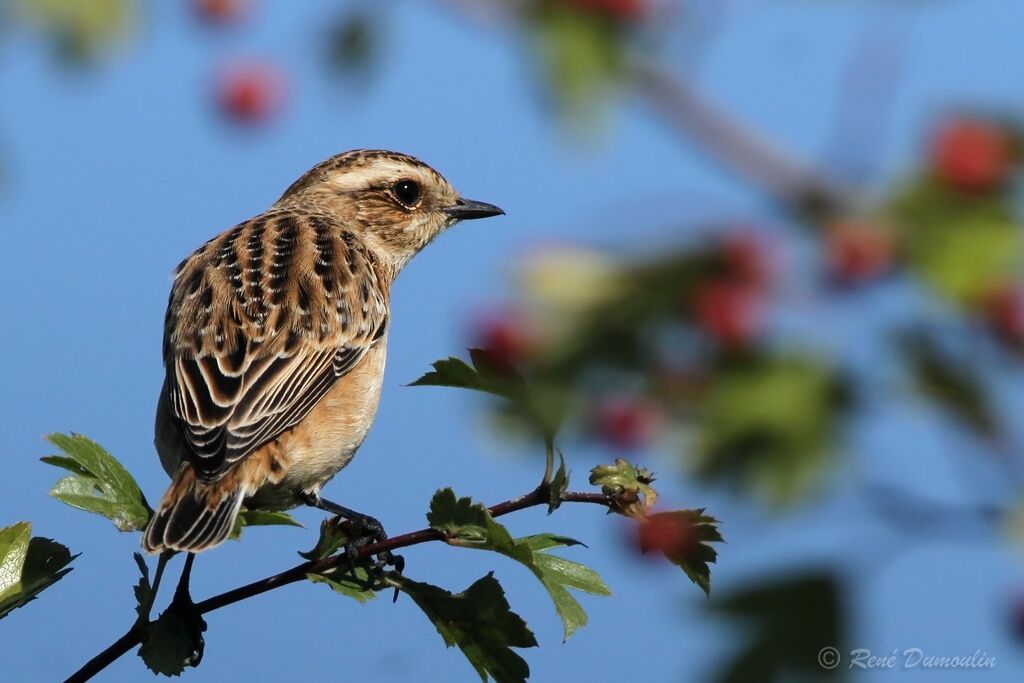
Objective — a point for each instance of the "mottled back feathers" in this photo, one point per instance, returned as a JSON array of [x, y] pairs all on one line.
[[262, 321]]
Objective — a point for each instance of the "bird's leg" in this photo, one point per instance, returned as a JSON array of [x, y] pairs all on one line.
[[190, 615], [370, 528]]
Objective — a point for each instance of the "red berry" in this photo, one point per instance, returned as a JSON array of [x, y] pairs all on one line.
[[625, 422], [221, 12], [729, 312], [746, 259], [251, 93], [507, 337], [1003, 309], [619, 10], [858, 252], [971, 155], [669, 533]]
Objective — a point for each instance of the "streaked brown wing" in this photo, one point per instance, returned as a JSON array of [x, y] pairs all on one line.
[[253, 343]]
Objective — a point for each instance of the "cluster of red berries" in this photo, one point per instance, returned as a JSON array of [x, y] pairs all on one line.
[[729, 306], [858, 252], [972, 155]]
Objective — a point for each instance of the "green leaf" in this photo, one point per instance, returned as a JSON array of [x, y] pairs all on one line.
[[961, 244], [479, 621], [582, 55], [557, 573], [358, 586], [79, 32], [260, 518], [540, 406], [769, 424], [628, 487], [683, 537], [98, 482], [333, 538], [788, 622], [28, 565], [467, 524], [143, 589], [455, 372], [558, 485], [172, 643]]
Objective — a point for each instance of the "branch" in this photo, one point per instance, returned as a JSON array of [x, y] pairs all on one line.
[[136, 633], [794, 182]]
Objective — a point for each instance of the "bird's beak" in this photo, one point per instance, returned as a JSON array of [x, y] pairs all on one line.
[[467, 209]]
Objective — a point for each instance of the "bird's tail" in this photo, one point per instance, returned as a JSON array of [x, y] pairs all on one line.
[[193, 516]]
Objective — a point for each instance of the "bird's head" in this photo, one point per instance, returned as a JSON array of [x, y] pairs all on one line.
[[396, 201]]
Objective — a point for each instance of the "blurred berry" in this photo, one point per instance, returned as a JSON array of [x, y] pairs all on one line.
[[858, 252], [251, 93], [728, 312], [507, 337], [1003, 310], [625, 422], [671, 534], [221, 12], [971, 155], [746, 259], [624, 11]]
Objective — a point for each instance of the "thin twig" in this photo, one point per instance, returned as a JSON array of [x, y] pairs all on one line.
[[135, 634], [794, 182]]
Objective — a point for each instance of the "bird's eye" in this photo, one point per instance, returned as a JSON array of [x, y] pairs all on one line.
[[407, 192]]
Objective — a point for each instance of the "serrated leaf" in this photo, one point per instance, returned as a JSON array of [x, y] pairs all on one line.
[[143, 589], [359, 587], [98, 483], [683, 537], [456, 373], [170, 644], [558, 485], [539, 542], [571, 574], [333, 538], [65, 463], [628, 487], [28, 565], [469, 525], [542, 407], [261, 518], [479, 621]]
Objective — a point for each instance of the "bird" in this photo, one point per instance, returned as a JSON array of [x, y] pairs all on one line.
[[275, 340]]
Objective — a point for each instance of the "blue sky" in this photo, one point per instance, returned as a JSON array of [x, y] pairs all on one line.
[[113, 175]]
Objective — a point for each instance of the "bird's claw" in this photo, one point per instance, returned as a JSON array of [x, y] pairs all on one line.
[[364, 532]]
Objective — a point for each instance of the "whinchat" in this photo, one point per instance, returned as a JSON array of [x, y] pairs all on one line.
[[275, 339]]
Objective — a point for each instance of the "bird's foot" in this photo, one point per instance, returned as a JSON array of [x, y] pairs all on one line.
[[362, 530], [369, 531]]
